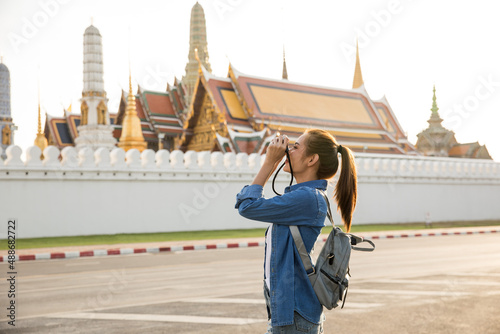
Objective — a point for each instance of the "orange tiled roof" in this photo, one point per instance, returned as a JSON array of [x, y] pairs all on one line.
[[159, 104], [138, 108], [459, 150]]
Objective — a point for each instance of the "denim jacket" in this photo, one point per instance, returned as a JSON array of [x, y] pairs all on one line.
[[303, 205]]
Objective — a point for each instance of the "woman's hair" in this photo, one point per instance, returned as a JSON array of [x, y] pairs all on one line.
[[323, 144]]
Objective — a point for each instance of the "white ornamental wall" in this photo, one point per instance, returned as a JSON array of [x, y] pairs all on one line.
[[102, 192]]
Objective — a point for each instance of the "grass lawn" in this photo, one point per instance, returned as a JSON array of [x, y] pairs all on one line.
[[203, 235]]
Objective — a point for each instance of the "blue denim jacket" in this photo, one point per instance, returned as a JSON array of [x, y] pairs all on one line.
[[303, 205]]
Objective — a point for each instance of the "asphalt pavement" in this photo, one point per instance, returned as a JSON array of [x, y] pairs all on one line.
[[436, 284]]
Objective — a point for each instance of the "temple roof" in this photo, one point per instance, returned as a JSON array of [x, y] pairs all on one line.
[[252, 104], [349, 114], [469, 150], [58, 130], [156, 111]]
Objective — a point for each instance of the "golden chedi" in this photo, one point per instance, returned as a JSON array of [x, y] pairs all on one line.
[[131, 136]]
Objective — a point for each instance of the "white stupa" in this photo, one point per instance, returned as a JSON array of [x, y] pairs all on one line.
[[95, 129]]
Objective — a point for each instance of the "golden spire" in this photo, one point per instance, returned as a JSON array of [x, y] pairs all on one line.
[[40, 139], [358, 78], [131, 136], [197, 40], [39, 119], [285, 73]]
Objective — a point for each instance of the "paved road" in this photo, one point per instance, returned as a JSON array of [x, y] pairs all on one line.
[[447, 284]]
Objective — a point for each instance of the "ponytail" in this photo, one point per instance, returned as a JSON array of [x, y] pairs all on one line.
[[346, 190], [324, 144]]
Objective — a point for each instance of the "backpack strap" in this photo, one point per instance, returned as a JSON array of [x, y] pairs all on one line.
[[299, 243], [354, 238], [301, 248], [329, 212], [357, 240]]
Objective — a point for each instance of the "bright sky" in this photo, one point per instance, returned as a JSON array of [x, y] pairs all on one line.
[[405, 47]]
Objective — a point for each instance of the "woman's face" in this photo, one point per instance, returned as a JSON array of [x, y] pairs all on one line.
[[297, 155]]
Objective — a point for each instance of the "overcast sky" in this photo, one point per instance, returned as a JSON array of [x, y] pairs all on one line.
[[406, 47]]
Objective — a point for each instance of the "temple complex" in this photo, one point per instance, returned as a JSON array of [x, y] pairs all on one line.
[[96, 127], [242, 112], [239, 112]]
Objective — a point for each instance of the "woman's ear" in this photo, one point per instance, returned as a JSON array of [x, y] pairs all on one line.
[[313, 159]]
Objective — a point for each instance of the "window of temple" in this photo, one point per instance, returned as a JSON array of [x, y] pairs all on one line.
[[101, 113], [85, 113], [6, 138]]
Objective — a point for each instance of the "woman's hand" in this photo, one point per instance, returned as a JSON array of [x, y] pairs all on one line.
[[275, 152], [276, 149]]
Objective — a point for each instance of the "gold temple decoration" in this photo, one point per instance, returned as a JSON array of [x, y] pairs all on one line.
[[358, 78], [101, 113], [284, 75], [6, 135], [131, 136], [85, 113], [40, 139]]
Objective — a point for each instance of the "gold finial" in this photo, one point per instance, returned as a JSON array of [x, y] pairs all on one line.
[[131, 98], [39, 113], [285, 73], [40, 139], [91, 20], [1, 59], [358, 78], [130, 84], [39, 120]]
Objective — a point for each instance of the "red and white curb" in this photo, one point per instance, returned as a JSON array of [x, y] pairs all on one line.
[[124, 251], [436, 234]]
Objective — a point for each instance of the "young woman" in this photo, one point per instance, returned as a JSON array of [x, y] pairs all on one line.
[[292, 303]]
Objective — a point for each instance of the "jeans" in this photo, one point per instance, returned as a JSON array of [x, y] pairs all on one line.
[[300, 325]]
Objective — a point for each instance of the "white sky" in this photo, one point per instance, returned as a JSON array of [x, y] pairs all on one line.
[[405, 47]]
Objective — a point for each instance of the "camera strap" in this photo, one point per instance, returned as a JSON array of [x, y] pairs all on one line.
[[283, 165]]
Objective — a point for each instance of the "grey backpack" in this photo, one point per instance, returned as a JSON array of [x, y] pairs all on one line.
[[329, 277]]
